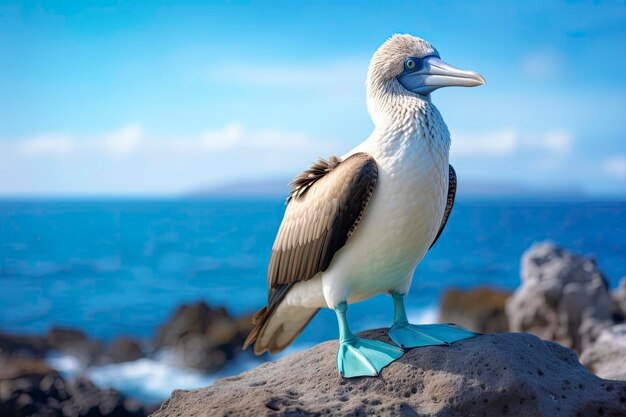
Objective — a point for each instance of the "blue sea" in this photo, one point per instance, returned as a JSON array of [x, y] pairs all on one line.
[[116, 267]]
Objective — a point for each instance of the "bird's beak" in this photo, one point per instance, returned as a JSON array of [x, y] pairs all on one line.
[[435, 74]]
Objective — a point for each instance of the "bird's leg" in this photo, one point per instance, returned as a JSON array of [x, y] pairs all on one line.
[[358, 356], [407, 335]]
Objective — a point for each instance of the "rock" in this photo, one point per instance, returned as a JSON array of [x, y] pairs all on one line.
[[607, 356], [619, 301], [513, 374], [26, 387], [563, 297], [24, 346], [203, 337], [125, 350], [17, 367], [76, 343], [479, 309], [31, 388], [63, 338], [90, 400]]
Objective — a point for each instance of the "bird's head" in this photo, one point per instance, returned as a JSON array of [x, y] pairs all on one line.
[[407, 64]]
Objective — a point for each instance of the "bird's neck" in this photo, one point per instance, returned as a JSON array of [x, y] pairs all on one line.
[[403, 119]]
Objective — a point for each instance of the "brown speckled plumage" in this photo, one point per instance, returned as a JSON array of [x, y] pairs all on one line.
[[449, 202], [323, 211], [307, 178]]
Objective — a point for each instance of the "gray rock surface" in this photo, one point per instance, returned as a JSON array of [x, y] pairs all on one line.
[[607, 356], [619, 300], [512, 374], [563, 297], [76, 343], [28, 387], [479, 309], [64, 337], [125, 349], [203, 337], [22, 346]]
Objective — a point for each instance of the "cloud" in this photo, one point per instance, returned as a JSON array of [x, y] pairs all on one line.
[[337, 75], [122, 142], [542, 63], [615, 166], [496, 143], [132, 139], [237, 141], [507, 142], [131, 159], [117, 143], [45, 145], [559, 141], [228, 137]]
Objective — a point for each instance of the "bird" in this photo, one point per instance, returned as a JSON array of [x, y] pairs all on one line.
[[357, 226]]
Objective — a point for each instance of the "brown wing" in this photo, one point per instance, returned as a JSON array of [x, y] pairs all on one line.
[[449, 203], [323, 211]]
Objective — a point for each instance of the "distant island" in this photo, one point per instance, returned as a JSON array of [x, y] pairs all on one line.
[[261, 188], [279, 188]]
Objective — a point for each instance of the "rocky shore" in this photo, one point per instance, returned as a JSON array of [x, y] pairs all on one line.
[[32, 388], [563, 306], [508, 374], [563, 297], [196, 336]]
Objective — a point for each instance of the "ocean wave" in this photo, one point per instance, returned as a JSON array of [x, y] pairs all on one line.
[[68, 365], [149, 380], [424, 315]]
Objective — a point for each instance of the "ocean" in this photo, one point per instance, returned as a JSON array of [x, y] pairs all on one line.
[[120, 267]]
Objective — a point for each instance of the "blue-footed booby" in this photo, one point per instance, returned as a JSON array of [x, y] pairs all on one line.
[[358, 225]]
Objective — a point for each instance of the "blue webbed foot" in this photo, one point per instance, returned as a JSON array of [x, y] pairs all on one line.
[[358, 356], [364, 357], [408, 335]]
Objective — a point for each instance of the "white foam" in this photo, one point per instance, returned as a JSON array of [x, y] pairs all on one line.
[[153, 380], [148, 380], [424, 315], [68, 365]]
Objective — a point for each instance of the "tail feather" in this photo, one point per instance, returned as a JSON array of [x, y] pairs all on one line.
[[275, 329], [259, 316], [257, 320]]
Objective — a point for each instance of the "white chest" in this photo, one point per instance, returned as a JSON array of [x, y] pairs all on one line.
[[406, 209], [410, 196]]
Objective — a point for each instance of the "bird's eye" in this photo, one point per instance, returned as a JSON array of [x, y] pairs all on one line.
[[410, 64]]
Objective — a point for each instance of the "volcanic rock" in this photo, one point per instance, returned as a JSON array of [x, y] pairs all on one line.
[[607, 356], [125, 350], [512, 374], [563, 297], [30, 388], [203, 337], [479, 309], [76, 343]]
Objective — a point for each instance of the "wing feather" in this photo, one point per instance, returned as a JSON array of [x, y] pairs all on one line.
[[449, 202], [323, 210]]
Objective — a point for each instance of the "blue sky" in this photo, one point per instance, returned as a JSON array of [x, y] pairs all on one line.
[[149, 98]]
